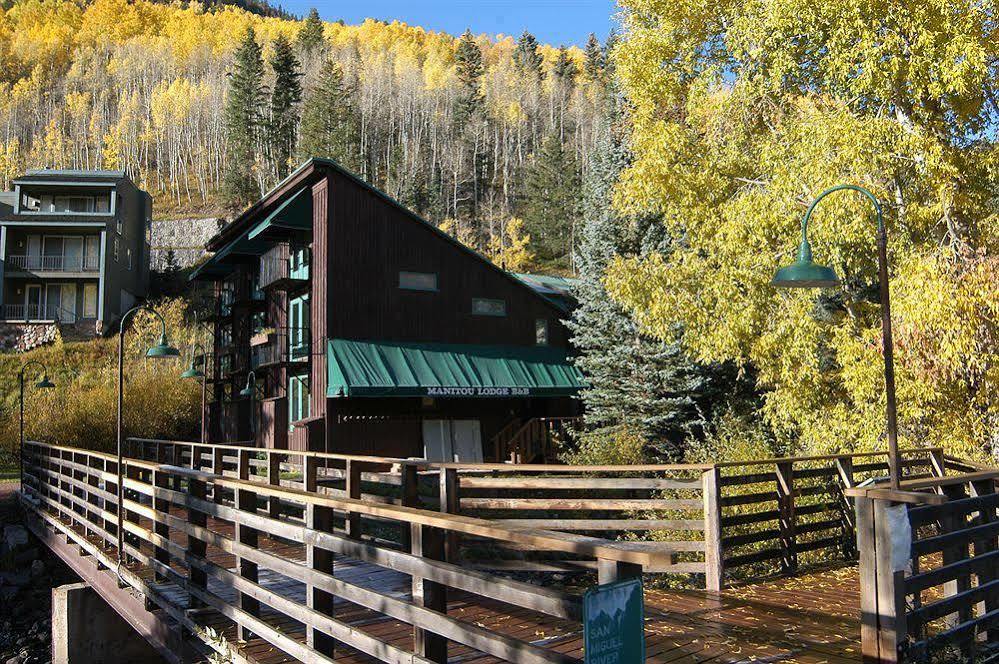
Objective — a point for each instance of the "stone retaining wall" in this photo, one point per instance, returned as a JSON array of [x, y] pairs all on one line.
[[21, 337], [186, 238]]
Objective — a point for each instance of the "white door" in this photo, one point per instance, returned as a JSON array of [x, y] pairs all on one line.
[[452, 440], [437, 440], [90, 300], [466, 441]]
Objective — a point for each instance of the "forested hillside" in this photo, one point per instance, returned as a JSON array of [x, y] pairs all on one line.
[[472, 132]]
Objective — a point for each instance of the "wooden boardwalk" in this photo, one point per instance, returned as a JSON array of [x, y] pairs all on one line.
[[810, 618]]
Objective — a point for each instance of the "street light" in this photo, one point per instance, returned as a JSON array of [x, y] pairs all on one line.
[[806, 274], [249, 392], [161, 350], [194, 372], [44, 383]]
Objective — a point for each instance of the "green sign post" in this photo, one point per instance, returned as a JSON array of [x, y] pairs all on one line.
[[613, 623]]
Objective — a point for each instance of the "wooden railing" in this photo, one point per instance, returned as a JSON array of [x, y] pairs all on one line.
[[938, 598], [725, 521], [531, 441], [236, 525]]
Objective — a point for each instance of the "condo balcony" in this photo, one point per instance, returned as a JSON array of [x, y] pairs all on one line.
[[37, 263], [284, 269], [284, 346]]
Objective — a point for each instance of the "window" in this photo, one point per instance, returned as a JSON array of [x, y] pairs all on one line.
[[423, 281], [115, 250], [90, 300], [128, 258], [298, 398], [485, 307], [541, 332]]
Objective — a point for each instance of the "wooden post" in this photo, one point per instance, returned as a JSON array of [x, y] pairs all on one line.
[[196, 489], [218, 466], [882, 591], [714, 556], [785, 505], [428, 543], [450, 504], [321, 519], [246, 501], [848, 525], [274, 479], [609, 571], [352, 486], [410, 498]]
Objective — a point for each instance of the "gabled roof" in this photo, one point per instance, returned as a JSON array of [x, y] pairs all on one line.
[[240, 229]]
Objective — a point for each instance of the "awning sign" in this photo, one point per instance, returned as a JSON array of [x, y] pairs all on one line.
[[478, 391], [613, 623]]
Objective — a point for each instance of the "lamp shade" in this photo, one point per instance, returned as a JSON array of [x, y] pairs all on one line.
[[162, 349], [193, 372], [805, 273], [246, 392], [45, 383]]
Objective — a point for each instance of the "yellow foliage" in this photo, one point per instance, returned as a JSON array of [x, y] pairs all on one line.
[[511, 249]]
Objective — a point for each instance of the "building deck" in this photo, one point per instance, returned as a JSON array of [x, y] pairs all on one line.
[[812, 618]]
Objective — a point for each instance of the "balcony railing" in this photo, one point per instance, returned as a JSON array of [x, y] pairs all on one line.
[[277, 270], [32, 263], [286, 345], [36, 312]]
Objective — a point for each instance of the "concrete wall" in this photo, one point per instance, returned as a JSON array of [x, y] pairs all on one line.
[[86, 630], [186, 237]]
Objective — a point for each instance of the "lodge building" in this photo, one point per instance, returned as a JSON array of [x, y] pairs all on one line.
[[369, 331]]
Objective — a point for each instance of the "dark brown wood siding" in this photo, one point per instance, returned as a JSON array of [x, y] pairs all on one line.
[[375, 240], [319, 304]]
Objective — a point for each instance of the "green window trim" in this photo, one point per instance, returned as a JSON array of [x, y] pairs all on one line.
[[409, 280]]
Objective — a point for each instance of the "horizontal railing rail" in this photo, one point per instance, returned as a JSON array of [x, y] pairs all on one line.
[[733, 520], [282, 345], [221, 517], [37, 312], [36, 263]]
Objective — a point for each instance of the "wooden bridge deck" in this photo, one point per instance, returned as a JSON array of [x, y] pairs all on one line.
[[811, 618]]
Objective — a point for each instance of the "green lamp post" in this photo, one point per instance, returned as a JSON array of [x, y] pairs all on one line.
[[44, 384], [193, 373], [804, 273], [249, 392], [161, 350]]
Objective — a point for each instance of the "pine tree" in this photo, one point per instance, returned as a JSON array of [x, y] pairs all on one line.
[[468, 63], [553, 197], [596, 61], [287, 94], [329, 120], [565, 67], [242, 117], [526, 56], [311, 35], [639, 386]]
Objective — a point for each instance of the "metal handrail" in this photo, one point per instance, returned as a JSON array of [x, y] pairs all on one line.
[[38, 312], [36, 263]]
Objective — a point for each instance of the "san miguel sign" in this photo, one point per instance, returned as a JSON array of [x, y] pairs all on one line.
[[478, 391]]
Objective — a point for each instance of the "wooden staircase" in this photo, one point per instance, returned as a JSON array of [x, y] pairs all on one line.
[[533, 441]]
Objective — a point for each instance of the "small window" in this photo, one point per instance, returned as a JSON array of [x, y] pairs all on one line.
[[541, 332], [485, 307], [128, 257], [116, 244], [423, 281]]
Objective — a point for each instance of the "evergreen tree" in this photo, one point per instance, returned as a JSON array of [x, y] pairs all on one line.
[[596, 61], [329, 120], [242, 118], [311, 36], [565, 67], [468, 63], [526, 56], [553, 197], [639, 386], [285, 98]]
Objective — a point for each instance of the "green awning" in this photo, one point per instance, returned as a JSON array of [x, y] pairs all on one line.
[[294, 214], [398, 369]]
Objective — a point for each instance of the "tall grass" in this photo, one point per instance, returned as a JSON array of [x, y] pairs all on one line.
[[81, 410]]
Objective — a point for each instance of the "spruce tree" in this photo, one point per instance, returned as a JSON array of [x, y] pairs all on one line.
[[639, 386], [330, 127], [468, 63], [526, 56], [596, 62], [311, 35], [552, 204], [242, 118], [287, 94]]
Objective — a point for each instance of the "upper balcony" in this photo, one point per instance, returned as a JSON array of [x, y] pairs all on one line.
[[282, 268], [59, 264], [281, 347]]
